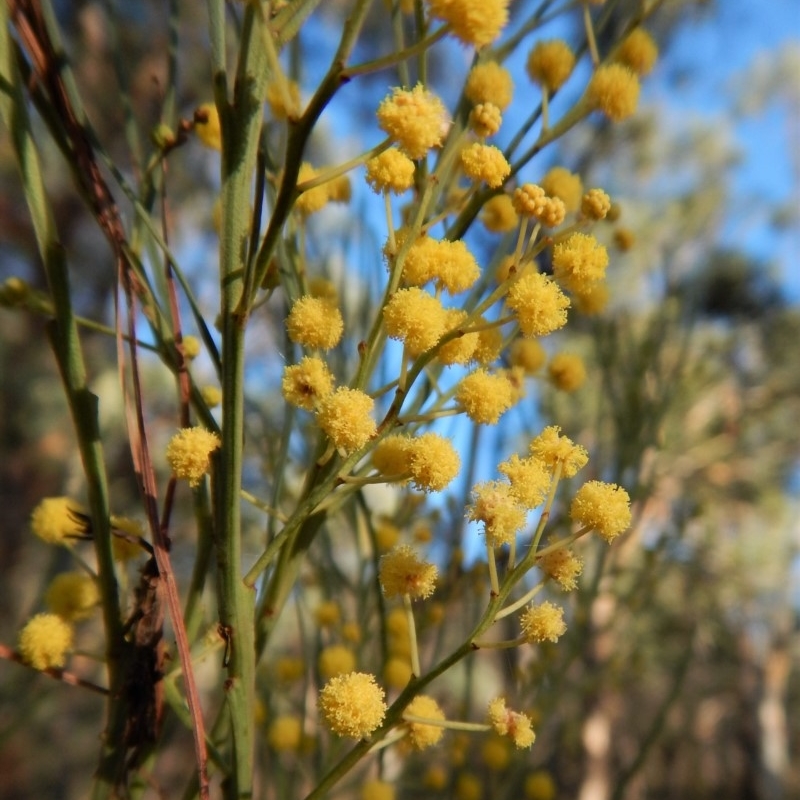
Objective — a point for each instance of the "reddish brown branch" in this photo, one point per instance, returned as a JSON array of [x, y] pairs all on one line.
[[52, 672]]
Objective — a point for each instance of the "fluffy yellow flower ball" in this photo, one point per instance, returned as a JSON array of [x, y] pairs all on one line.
[[189, 453], [414, 118], [638, 51], [285, 733], [57, 519], [499, 215], [540, 305], [420, 734], [336, 660], [553, 448], [485, 162], [485, 396], [415, 318], [489, 83], [495, 505], [44, 641], [579, 262], [315, 322], [567, 371], [207, 126], [352, 705], [505, 722], [614, 90], [602, 506], [550, 63], [474, 22], [391, 171], [344, 415], [72, 595], [402, 572], [544, 622], [305, 384]]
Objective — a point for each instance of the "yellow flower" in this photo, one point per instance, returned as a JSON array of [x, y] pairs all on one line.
[[544, 622], [450, 264], [335, 660], [495, 505], [489, 83], [305, 384], [207, 126], [435, 778], [529, 477], [553, 212], [72, 595], [475, 22], [414, 118], [352, 705], [529, 200], [469, 787], [397, 672], [498, 214], [375, 789], [528, 354], [560, 182], [505, 722], [602, 506], [624, 239], [595, 204], [191, 347], [189, 453], [540, 785], [485, 396], [56, 519], [415, 318], [433, 462], [311, 200], [344, 415], [563, 566], [552, 448], [495, 753], [567, 371], [391, 171], [459, 350], [386, 535], [402, 572], [550, 63], [593, 300], [638, 51], [315, 322], [540, 306], [614, 90], [579, 262], [485, 162], [44, 641], [288, 670], [212, 395], [490, 345], [285, 733], [421, 735], [392, 455], [485, 119]]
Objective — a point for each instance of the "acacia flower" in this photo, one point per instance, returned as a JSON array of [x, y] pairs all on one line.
[[285, 733], [402, 572], [614, 90], [539, 785], [495, 505], [567, 186], [57, 519], [593, 300], [461, 349], [344, 415], [44, 641], [552, 448], [528, 354], [499, 215], [544, 622], [207, 126], [563, 566], [550, 63], [553, 212], [375, 789], [539, 304], [311, 200], [414, 118], [397, 672], [421, 735], [433, 461], [475, 22], [579, 261], [602, 506], [489, 347], [489, 82], [72, 595], [392, 455], [352, 705], [567, 371], [485, 396], [518, 727], [595, 204], [485, 162], [315, 322], [212, 395], [191, 347], [415, 318], [189, 453], [495, 753], [305, 384], [335, 660], [529, 200], [485, 119], [327, 614], [126, 547], [638, 51], [529, 477], [390, 171]]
